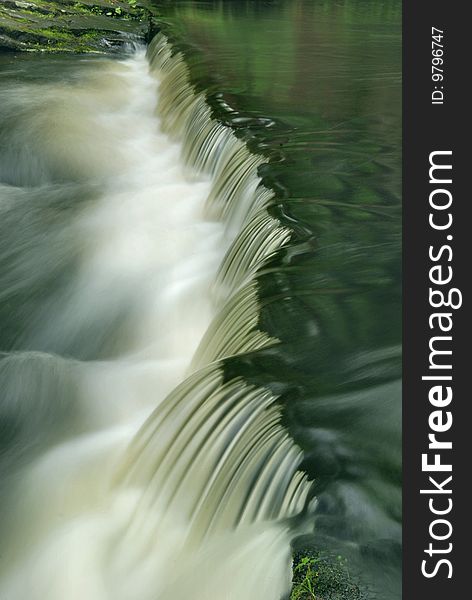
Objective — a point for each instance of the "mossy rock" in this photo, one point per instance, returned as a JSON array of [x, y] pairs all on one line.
[[72, 26], [321, 576]]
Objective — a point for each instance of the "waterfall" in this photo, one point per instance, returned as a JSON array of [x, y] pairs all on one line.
[[137, 468]]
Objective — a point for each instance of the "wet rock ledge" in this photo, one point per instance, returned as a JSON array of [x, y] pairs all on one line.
[[73, 26]]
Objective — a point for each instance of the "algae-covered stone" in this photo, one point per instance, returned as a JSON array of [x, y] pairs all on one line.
[[322, 576], [70, 26]]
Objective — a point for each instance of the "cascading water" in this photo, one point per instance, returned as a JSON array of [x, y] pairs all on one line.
[[135, 469]]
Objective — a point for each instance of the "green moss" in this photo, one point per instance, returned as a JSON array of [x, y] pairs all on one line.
[[322, 577], [71, 25]]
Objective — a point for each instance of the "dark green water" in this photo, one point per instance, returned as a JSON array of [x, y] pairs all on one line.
[[316, 86]]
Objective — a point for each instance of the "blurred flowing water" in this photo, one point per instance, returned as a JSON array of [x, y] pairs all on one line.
[[200, 306], [315, 86]]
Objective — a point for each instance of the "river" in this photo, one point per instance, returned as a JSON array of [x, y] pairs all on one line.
[[200, 306]]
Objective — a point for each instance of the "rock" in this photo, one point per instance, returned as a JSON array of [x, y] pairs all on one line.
[[71, 26]]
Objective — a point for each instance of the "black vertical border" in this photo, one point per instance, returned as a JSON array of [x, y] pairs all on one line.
[[427, 128]]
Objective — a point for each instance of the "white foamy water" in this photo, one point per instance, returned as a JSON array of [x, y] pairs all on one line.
[[138, 479]]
